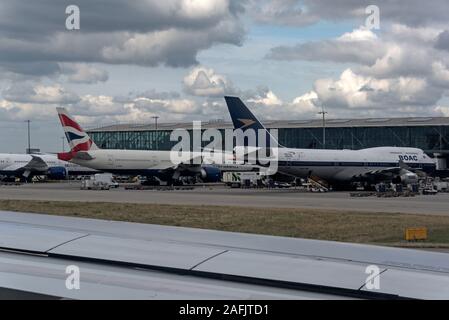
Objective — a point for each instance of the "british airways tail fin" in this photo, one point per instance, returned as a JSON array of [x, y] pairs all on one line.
[[78, 139], [244, 119]]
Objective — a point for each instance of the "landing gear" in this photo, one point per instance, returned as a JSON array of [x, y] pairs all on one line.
[[151, 182]]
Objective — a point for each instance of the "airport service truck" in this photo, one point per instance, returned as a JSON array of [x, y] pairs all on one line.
[[100, 181], [242, 179]]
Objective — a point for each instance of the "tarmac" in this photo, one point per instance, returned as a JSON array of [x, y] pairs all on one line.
[[222, 196]]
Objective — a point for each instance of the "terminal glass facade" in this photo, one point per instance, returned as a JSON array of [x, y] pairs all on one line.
[[432, 139]]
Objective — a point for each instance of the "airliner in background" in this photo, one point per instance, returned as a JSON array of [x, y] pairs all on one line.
[[339, 168], [26, 166], [150, 164]]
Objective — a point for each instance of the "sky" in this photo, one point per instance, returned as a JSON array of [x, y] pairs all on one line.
[[176, 59]]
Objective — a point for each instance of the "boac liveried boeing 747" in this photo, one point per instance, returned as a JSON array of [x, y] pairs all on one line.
[[340, 167]]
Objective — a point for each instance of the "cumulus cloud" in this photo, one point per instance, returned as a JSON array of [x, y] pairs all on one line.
[[178, 106], [148, 94], [360, 46], [15, 111], [136, 108], [307, 12], [443, 40], [39, 94], [266, 97], [356, 91], [308, 103], [37, 101], [267, 105], [440, 74], [28, 69], [99, 106], [83, 73], [400, 68], [281, 12], [404, 67], [142, 32], [442, 110], [397, 51], [205, 82]]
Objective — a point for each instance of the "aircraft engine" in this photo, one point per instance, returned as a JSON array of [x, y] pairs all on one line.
[[408, 177], [210, 174], [57, 173]]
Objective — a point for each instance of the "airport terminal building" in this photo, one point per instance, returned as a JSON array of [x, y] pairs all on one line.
[[429, 134]]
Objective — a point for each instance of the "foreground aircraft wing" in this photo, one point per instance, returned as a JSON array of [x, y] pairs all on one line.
[[116, 260]]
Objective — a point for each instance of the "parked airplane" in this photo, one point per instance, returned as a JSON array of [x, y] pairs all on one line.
[[151, 164], [25, 166], [339, 167]]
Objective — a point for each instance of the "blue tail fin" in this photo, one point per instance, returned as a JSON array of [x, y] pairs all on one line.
[[244, 119], [241, 116]]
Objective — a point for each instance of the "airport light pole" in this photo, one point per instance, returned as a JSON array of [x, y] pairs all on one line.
[[324, 127], [29, 136], [156, 118]]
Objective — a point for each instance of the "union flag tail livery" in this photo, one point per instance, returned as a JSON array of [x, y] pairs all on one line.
[[78, 139]]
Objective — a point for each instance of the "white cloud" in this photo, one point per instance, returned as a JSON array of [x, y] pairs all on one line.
[[84, 73], [308, 103], [443, 111], [140, 32], [354, 91], [15, 111], [281, 12], [195, 9], [96, 106], [398, 70], [268, 99], [39, 94], [359, 46], [306, 12], [205, 82], [360, 34], [178, 106], [440, 74]]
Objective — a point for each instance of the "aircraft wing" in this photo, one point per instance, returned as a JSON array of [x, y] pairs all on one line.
[[14, 167], [388, 172], [192, 164], [35, 164], [384, 172], [119, 260]]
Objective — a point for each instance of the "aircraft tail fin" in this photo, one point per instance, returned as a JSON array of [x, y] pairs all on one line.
[[244, 119], [78, 139]]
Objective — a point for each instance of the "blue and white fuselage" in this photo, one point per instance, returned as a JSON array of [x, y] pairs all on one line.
[[351, 165]]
